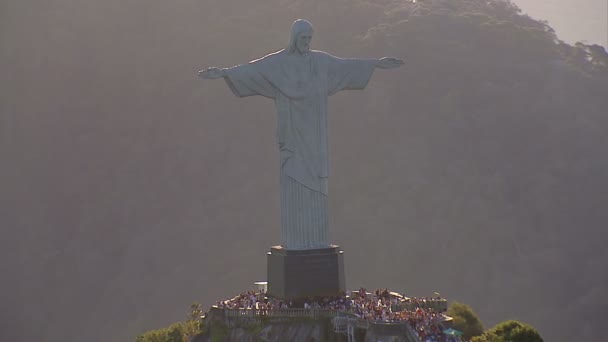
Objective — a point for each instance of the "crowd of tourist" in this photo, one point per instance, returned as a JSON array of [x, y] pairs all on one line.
[[245, 300], [259, 301], [426, 322], [378, 306]]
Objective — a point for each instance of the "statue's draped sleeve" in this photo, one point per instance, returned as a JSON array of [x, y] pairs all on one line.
[[251, 79], [348, 73]]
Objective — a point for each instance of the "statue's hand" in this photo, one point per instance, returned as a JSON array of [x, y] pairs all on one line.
[[389, 63], [212, 73]]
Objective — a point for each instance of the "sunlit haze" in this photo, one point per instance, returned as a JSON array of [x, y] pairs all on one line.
[[581, 20]]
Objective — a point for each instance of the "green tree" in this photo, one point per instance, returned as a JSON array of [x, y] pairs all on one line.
[[194, 325], [465, 320], [511, 331], [177, 332], [173, 333]]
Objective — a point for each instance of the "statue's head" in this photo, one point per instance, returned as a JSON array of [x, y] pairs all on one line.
[[301, 35]]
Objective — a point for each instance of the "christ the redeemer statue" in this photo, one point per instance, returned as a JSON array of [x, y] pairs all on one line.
[[299, 80]]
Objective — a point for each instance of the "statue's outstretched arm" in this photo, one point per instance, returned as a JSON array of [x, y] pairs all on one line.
[[389, 63], [212, 73]]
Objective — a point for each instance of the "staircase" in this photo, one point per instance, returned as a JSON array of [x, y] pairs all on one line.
[[345, 324]]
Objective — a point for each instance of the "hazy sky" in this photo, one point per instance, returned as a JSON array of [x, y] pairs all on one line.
[[573, 20]]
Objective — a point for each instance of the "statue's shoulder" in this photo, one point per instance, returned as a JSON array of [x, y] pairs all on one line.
[[320, 54], [322, 57]]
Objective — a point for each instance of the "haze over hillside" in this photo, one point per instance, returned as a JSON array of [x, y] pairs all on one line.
[[574, 21], [130, 189]]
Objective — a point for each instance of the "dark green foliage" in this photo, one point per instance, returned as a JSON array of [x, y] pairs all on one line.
[[510, 331], [465, 320]]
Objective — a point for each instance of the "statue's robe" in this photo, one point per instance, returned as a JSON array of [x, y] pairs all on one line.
[[300, 85]]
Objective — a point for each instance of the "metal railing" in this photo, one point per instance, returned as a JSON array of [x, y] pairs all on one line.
[[283, 313]]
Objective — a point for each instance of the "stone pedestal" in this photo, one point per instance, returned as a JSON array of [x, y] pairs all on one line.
[[297, 274]]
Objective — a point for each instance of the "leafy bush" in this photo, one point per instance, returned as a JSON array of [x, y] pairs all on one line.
[[511, 331], [465, 320]]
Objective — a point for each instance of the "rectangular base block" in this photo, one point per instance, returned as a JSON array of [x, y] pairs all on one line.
[[299, 274]]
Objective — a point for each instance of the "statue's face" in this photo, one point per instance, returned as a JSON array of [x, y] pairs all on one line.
[[303, 42]]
